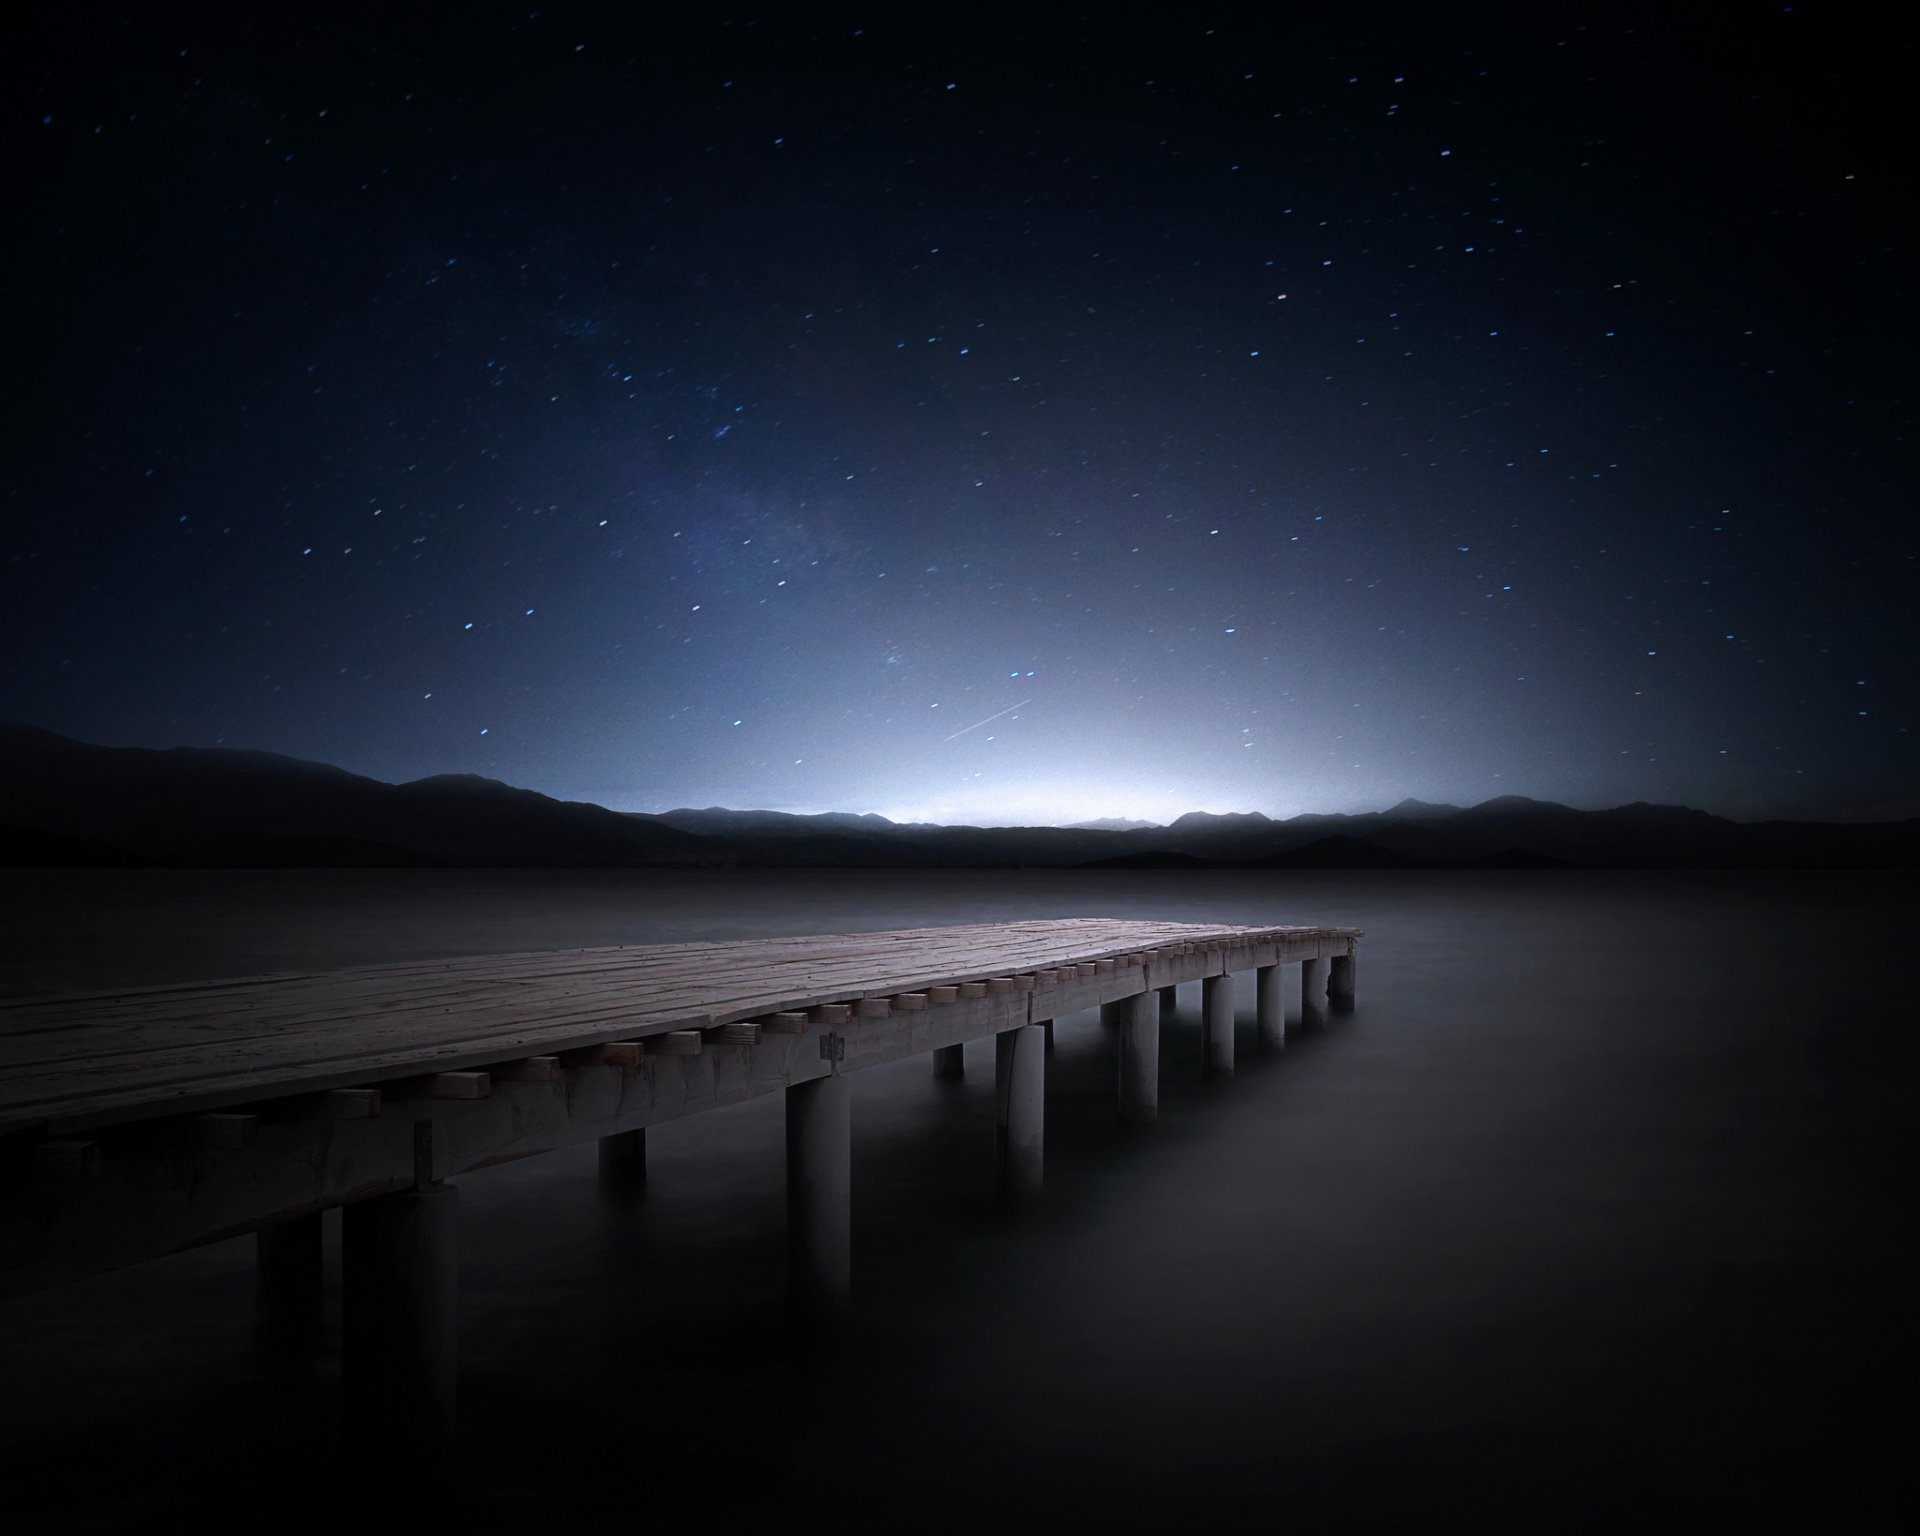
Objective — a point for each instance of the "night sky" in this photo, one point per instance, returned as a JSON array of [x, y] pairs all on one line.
[[968, 418]]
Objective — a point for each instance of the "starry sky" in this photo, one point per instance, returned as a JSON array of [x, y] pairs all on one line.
[[973, 417]]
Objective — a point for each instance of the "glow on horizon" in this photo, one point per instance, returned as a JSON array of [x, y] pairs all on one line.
[[1059, 805]]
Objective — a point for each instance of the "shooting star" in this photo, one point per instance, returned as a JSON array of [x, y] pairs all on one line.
[[988, 721]]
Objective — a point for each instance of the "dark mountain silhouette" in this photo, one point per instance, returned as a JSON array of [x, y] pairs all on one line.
[[1112, 824], [717, 820], [26, 847], [1207, 823], [1517, 858], [1153, 858], [68, 803], [1337, 852], [1421, 810], [215, 806]]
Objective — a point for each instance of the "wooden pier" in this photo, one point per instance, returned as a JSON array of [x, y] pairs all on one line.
[[141, 1122]]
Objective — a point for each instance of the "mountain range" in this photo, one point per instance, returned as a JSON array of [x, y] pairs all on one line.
[[67, 803]]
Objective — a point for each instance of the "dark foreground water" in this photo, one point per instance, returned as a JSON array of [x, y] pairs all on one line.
[[1594, 1215]]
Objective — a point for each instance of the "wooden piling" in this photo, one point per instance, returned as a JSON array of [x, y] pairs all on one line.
[[623, 1165], [950, 1061], [400, 1300], [1140, 1060], [1340, 984], [287, 1284], [1313, 993], [819, 1195], [1216, 1025], [1272, 1018], [1020, 1100]]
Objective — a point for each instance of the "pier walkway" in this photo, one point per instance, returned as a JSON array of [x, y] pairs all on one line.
[[137, 1123]]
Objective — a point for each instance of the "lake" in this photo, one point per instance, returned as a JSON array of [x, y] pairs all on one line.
[[1596, 1212]]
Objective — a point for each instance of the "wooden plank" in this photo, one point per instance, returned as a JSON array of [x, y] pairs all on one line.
[[612, 1053], [445, 1085], [784, 1024], [528, 1069], [222, 1131], [742, 1032], [66, 1161], [479, 970], [679, 1042], [167, 1062], [577, 962]]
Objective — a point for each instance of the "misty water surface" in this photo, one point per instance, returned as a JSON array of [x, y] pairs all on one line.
[[1593, 1213]]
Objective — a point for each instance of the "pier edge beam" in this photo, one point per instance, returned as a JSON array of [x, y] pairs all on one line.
[[1313, 993], [1216, 1025], [1020, 1107], [1140, 1060], [819, 1195], [949, 1061], [287, 1284], [623, 1164], [1272, 1015], [400, 1326], [1340, 983]]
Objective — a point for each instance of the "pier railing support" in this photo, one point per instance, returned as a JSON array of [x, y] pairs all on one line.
[[1140, 1059], [400, 1315], [1340, 984], [623, 1164], [1020, 1106], [1216, 1025], [1272, 1016], [287, 1284], [950, 1061], [1313, 993], [819, 1195]]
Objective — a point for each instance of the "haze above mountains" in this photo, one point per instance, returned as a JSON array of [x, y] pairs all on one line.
[[68, 803]]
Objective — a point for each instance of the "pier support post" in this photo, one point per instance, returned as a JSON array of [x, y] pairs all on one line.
[[950, 1061], [1271, 1011], [1020, 1107], [1216, 1025], [400, 1315], [1340, 984], [287, 1284], [1140, 1060], [1169, 1001], [819, 1195], [623, 1164], [1047, 1025], [1313, 993]]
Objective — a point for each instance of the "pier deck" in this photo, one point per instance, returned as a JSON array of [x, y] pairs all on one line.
[[140, 1122], [78, 1063]]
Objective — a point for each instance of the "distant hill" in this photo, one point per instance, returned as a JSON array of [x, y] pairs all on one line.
[[199, 806], [1337, 852], [66, 803], [1112, 824]]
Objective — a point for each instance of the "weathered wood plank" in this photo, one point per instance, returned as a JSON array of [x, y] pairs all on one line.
[[163, 1052]]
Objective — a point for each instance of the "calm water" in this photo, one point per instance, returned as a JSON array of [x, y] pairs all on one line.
[[1595, 1212]]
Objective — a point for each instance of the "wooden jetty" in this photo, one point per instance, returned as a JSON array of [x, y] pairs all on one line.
[[137, 1123]]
